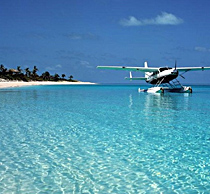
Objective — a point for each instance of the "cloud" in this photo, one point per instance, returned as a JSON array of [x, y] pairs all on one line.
[[162, 19], [53, 68], [201, 49], [58, 66], [78, 36], [86, 64]]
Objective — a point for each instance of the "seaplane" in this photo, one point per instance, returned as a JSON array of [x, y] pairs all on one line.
[[163, 79]]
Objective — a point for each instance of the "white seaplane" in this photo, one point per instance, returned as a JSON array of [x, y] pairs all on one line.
[[163, 79]]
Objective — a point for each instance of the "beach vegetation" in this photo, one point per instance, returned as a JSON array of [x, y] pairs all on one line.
[[71, 77], [63, 76], [27, 75], [56, 77]]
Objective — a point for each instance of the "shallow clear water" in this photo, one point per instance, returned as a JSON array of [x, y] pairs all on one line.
[[104, 139]]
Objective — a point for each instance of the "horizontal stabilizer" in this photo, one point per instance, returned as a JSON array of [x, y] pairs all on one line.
[[135, 78]]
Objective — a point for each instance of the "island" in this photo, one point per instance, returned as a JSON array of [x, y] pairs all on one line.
[[18, 77]]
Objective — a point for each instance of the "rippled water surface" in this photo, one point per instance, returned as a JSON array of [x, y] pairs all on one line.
[[104, 139]]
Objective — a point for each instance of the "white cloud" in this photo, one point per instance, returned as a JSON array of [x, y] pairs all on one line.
[[201, 49], [78, 36], [75, 37], [53, 68], [162, 19], [58, 66], [85, 64], [132, 21]]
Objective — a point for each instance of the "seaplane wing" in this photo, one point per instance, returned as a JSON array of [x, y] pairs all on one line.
[[135, 78], [192, 68], [142, 69]]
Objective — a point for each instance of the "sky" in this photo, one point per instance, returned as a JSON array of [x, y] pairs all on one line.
[[75, 36]]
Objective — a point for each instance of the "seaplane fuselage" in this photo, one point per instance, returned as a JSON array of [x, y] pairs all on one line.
[[163, 75]]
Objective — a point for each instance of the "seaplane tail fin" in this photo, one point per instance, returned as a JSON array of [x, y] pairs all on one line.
[[145, 64], [147, 74]]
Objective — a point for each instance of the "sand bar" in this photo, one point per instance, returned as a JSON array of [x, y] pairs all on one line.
[[19, 83]]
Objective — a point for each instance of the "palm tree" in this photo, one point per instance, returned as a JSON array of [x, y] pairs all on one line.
[[56, 77], [19, 75], [63, 75], [34, 72], [3, 71], [46, 76], [28, 72], [19, 69], [71, 77], [2, 68]]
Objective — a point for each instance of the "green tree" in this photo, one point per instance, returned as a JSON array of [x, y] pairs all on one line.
[[27, 72], [46, 76], [63, 75], [34, 71], [34, 74], [19, 69], [56, 77], [3, 69], [71, 77]]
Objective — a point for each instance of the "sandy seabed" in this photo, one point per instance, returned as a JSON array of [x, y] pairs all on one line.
[[19, 84]]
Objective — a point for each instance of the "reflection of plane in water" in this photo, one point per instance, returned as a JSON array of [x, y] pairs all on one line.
[[167, 101], [163, 79], [158, 108]]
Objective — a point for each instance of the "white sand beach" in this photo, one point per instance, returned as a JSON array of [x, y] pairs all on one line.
[[8, 84]]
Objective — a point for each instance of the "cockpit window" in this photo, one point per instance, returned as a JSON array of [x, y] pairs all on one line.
[[164, 68], [160, 70]]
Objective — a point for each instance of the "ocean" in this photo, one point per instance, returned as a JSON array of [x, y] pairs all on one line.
[[104, 139]]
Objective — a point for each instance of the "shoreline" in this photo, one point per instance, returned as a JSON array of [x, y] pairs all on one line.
[[10, 84]]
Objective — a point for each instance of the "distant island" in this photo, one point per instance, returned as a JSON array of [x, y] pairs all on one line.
[[28, 75]]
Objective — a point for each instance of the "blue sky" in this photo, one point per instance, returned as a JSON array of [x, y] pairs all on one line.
[[74, 36]]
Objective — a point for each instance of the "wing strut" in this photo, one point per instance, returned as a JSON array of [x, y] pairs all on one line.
[[131, 75]]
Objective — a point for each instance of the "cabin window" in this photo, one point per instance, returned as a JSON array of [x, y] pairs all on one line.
[[164, 68]]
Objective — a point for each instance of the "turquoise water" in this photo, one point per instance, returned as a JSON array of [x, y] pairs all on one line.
[[104, 139]]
